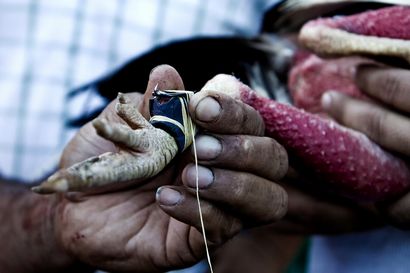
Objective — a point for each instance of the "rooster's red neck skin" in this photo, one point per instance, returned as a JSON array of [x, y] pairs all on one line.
[[391, 22], [346, 160]]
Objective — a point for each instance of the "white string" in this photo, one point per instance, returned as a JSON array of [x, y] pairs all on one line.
[[188, 124], [199, 202]]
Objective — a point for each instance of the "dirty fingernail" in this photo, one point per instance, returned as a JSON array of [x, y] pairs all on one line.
[[205, 177], [207, 147], [208, 109], [168, 197]]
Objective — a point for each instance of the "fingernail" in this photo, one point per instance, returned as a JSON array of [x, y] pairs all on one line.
[[208, 109], [168, 197], [207, 147], [205, 177], [326, 100]]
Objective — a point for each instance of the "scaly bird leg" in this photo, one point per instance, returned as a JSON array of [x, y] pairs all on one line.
[[145, 151]]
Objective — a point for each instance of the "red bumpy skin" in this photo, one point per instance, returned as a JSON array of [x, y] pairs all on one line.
[[347, 160], [312, 76], [392, 22], [380, 32]]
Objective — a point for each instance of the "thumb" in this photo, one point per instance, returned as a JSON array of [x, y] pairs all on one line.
[[167, 78]]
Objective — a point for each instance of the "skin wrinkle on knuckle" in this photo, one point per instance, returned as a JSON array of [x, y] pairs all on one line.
[[391, 88], [247, 146], [266, 206], [265, 149], [374, 121], [274, 169], [280, 204], [270, 157], [241, 192], [253, 118], [283, 161], [244, 118]]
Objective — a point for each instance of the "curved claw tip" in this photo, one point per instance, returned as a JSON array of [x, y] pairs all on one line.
[[41, 190], [51, 186], [122, 98], [102, 126]]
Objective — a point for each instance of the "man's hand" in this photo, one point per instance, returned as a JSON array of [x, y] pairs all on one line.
[[387, 122], [154, 226]]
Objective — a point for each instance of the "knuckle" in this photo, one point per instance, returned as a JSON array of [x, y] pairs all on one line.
[[242, 116], [279, 204], [247, 147], [239, 190], [375, 120], [391, 87], [278, 158], [251, 120], [243, 151], [272, 145]]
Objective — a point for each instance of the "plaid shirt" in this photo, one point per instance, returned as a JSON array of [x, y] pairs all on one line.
[[48, 47]]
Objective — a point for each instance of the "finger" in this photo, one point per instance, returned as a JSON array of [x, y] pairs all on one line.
[[388, 129], [261, 156], [252, 197], [129, 113], [164, 77], [390, 85], [219, 113], [121, 135], [178, 203], [397, 212]]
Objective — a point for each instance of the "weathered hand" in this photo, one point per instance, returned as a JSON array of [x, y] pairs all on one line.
[[138, 230], [387, 122]]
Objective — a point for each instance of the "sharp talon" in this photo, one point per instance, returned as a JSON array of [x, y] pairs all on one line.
[[41, 190], [122, 98], [118, 107], [102, 126], [51, 186], [97, 123]]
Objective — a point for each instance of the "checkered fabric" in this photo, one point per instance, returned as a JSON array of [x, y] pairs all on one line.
[[48, 47]]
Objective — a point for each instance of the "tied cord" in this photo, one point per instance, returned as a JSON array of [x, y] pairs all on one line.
[[169, 111]]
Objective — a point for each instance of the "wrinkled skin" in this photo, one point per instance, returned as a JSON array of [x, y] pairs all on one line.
[[135, 229]]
